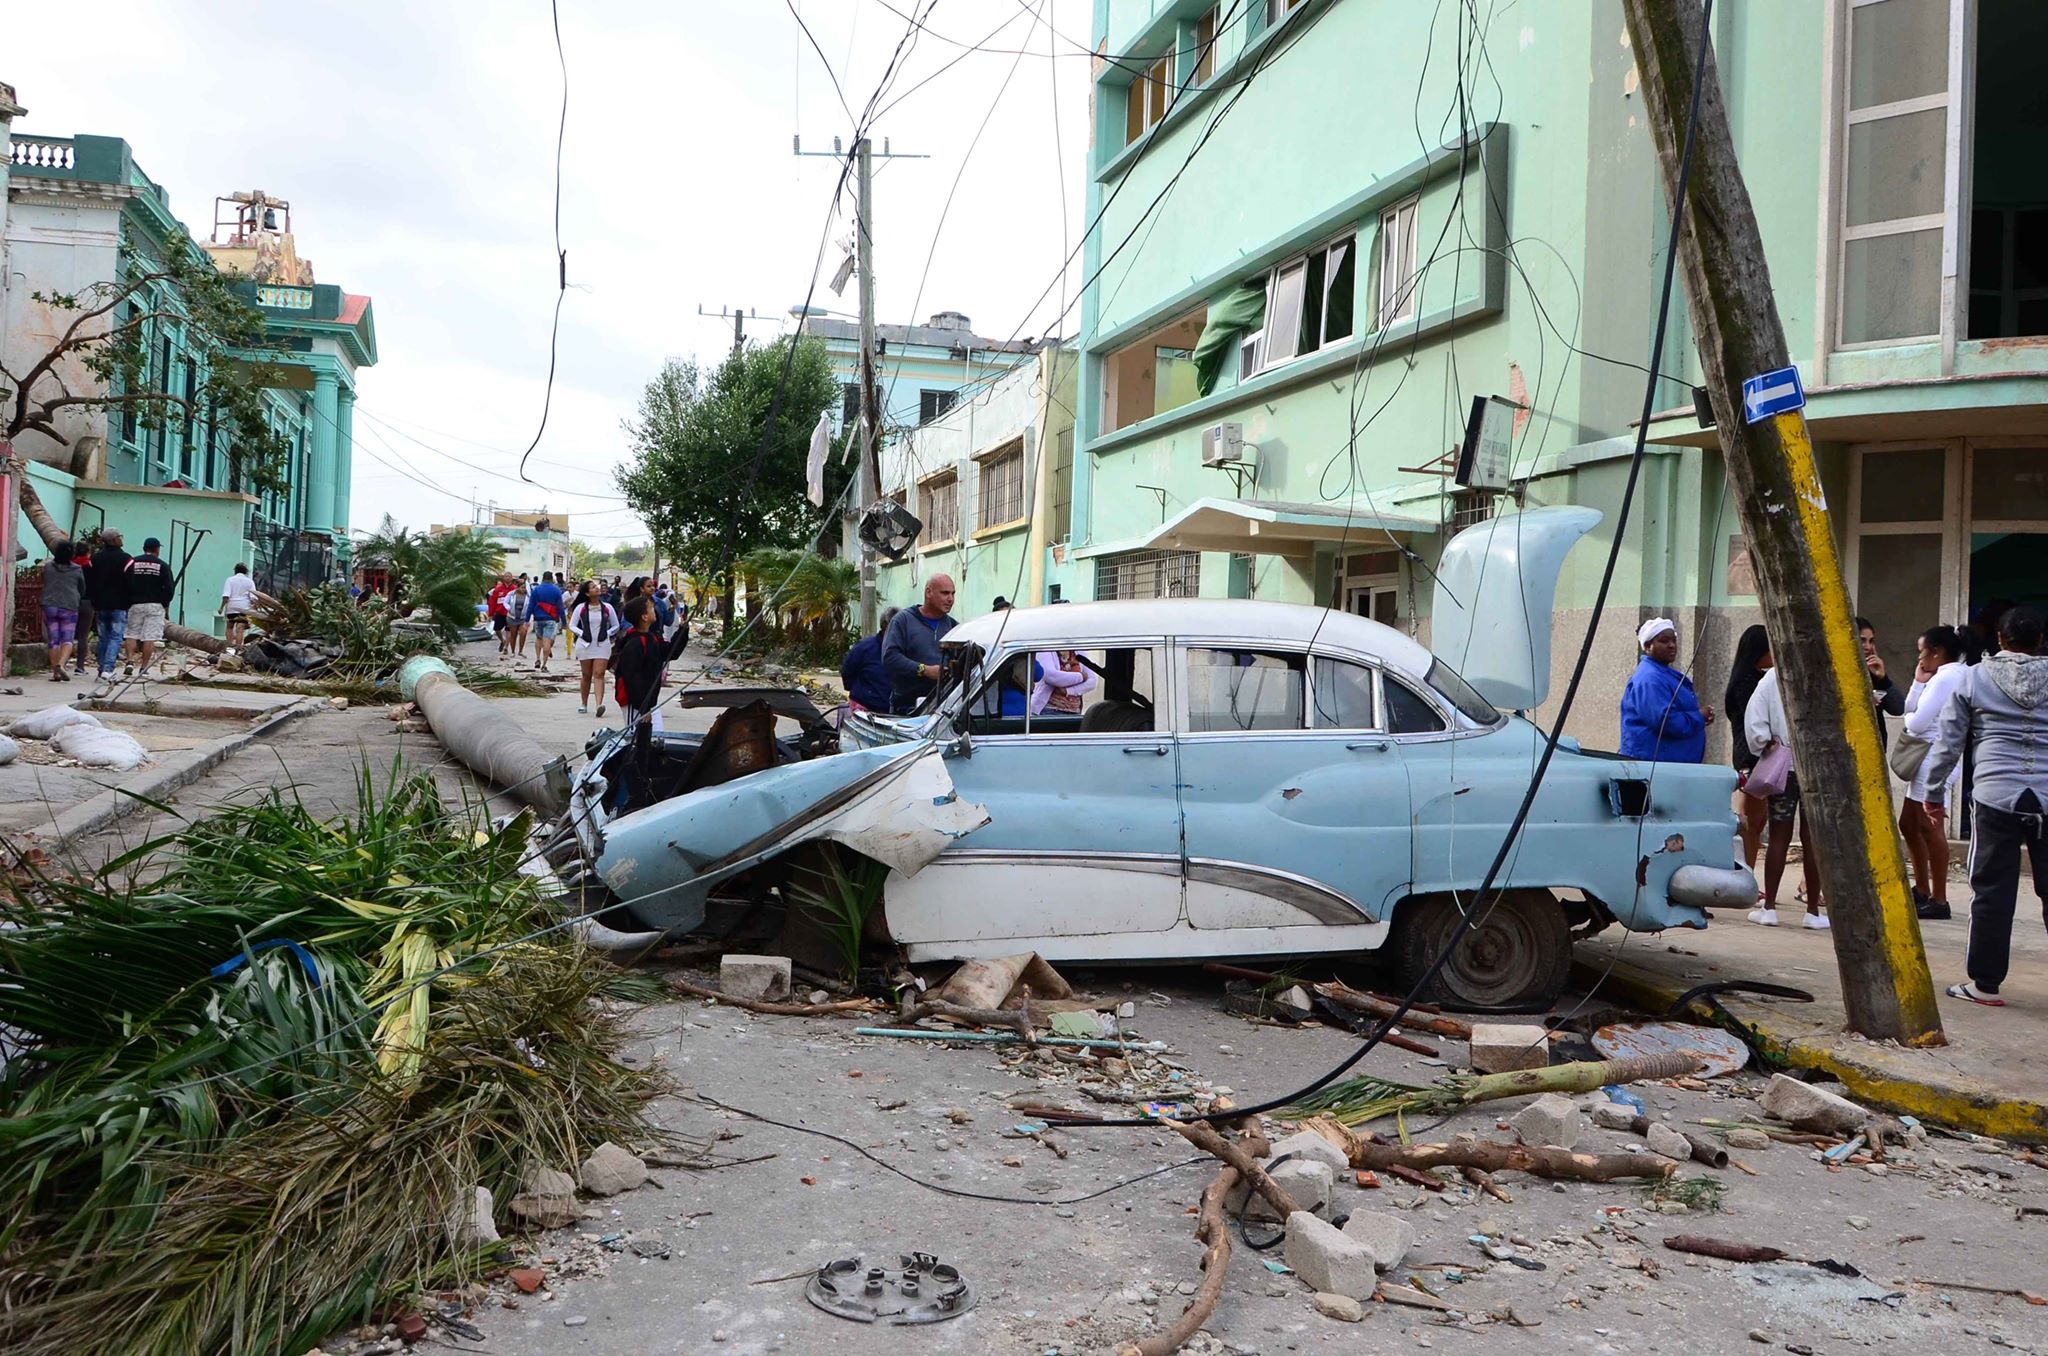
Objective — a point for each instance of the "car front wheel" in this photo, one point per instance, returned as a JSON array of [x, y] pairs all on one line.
[[1516, 953]]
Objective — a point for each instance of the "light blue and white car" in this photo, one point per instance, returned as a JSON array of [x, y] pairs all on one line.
[[1243, 779]]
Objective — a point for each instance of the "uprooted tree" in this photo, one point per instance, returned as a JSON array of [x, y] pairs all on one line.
[[712, 476], [103, 355]]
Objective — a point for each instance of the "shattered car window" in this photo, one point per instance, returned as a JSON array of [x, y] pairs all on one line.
[[1246, 690]]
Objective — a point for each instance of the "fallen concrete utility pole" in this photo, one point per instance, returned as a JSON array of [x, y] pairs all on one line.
[[482, 739], [1775, 481]]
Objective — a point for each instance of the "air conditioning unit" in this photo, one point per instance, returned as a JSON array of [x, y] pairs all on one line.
[[1222, 444]]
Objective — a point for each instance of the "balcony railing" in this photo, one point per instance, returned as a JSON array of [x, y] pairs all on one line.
[[285, 298], [42, 153]]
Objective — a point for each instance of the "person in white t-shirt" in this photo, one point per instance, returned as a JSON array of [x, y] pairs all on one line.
[[236, 596]]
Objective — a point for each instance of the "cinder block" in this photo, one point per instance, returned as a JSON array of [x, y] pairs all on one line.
[[1327, 1258], [760, 978], [1500, 1047], [1306, 1180], [1549, 1120], [1388, 1237], [1312, 1146]]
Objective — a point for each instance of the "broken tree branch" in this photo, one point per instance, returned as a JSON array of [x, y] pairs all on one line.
[[1491, 1157], [1482, 1179], [1211, 1229], [1203, 1137], [1722, 1248], [681, 985]]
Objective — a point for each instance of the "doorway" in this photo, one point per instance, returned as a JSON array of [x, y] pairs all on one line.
[[1378, 599]]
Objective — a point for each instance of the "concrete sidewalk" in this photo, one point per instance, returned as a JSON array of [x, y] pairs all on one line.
[[1989, 1078], [186, 730]]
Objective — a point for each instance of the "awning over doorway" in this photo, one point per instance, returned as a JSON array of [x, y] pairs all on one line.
[[1273, 528]]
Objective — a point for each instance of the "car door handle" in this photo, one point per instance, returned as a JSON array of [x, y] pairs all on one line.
[[1158, 750], [1377, 745]]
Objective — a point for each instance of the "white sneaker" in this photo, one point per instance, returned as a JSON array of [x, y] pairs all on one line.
[[1817, 921], [1764, 917]]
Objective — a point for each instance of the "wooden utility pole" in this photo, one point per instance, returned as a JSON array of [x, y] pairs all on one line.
[[870, 394], [1842, 778]]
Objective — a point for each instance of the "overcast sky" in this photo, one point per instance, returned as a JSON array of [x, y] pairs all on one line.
[[415, 143]]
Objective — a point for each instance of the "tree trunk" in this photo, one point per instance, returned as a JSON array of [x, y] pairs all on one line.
[[193, 640], [1886, 987], [32, 506]]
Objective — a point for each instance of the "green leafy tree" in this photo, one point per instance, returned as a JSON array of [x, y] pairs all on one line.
[[100, 359], [692, 478], [585, 560]]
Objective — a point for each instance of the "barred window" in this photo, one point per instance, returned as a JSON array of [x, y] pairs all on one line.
[[941, 495], [1149, 574], [1002, 486]]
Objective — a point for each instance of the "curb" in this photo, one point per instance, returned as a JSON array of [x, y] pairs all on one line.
[[1899, 1080], [159, 782]]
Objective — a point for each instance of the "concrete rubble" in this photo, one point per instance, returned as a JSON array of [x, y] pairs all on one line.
[[1551, 1119], [610, 1170], [1504, 1047], [1329, 1260], [760, 978]]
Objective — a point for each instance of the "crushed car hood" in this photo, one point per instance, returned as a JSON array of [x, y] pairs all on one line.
[[894, 803], [1496, 584]]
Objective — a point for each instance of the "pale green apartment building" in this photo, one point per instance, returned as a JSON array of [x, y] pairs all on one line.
[[1297, 257]]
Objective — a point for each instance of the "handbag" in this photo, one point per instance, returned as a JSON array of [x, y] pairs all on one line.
[[1906, 755], [1767, 778]]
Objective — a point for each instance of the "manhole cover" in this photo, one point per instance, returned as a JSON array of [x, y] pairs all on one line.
[[918, 1289]]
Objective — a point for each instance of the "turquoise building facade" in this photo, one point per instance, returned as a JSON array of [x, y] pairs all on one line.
[[70, 202], [1314, 244]]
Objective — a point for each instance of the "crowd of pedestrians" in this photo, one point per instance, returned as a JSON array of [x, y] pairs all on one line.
[[1978, 701]]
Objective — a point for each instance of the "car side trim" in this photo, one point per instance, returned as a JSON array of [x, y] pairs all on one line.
[[1313, 898]]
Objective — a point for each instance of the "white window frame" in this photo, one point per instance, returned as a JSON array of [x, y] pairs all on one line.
[[1204, 50], [1155, 91], [1399, 285], [1257, 350], [1278, 10], [1958, 98]]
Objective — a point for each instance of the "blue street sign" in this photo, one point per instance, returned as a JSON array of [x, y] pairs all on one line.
[[1772, 393]]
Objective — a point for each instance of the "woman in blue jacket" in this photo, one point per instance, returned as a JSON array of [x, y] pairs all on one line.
[[1661, 716]]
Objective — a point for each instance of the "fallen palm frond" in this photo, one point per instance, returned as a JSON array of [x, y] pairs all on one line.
[[1354, 1101], [239, 1101]]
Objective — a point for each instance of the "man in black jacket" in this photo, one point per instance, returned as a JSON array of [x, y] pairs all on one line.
[[106, 583], [151, 586]]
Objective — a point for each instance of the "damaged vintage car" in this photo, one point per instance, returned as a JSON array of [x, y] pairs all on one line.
[[1227, 779]]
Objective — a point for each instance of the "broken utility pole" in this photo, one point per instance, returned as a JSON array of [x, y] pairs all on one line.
[[1776, 483]]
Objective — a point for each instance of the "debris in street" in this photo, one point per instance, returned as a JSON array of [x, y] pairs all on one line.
[[1718, 1052], [610, 1170], [754, 978], [996, 983], [918, 1289], [1807, 1107], [681, 985], [277, 978], [1494, 1157], [547, 1199], [1549, 1120], [1006, 1038], [1503, 1048], [1356, 1100]]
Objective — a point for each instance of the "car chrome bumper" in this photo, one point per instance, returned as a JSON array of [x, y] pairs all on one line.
[[1712, 887]]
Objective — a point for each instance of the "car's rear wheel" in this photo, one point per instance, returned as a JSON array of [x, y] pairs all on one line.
[[1516, 953]]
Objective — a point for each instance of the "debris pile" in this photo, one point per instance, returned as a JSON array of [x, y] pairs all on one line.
[[203, 1070]]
